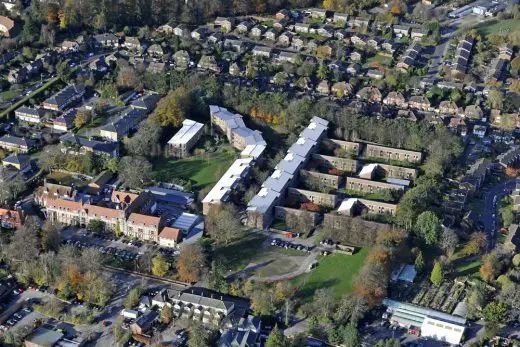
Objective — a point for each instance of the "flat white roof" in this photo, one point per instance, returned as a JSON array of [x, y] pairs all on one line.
[[189, 129], [367, 169], [346, 205], [228, 181]]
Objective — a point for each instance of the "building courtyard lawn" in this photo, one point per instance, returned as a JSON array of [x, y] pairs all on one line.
[[336, 271], [202, 171]]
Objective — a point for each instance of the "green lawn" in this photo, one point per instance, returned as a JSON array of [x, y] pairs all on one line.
[[336, 271], [498, 27], [381, 59], [201, 170], [9, 94], [65, 179], [467, 269], [239, 254]]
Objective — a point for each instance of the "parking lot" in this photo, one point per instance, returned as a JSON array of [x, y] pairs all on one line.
[[122, 248], [291, 245]]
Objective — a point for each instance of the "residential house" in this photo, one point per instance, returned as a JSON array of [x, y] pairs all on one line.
[[375, 74], [281, 24], [343, 35], [271, 34], [262, 51], [369, 186], [29, 114], [215, 37], [17, 76], [282, 14], [199, 33], [119, 128], [185, 139], [287, 57], [357, 22], [235, 69], [355, 56], [106, 40], [99, 65], [181, 59], [340, 17], [359, 39], [257, 31], [419, 33], [389, 46], [209, 62], [448, 107], [506, 52], [245, 26], [235, 44], [355, 207], [401, 30], [395, 99], [302, 28], [342, 89], [476, 175], [389, 153], [374, 43], [7, 27], [11, 219], [473, 111], [225, 23], [156, 50], [64, 98], [16, 144], [69, 46], [462, 55], [318, 13], [65, 121], [285, 38], [182, 30], [170, 237], [133, 43], [408, 115], [298, 43], [246, 334], [410, 58], [326, 31], [354, 69], [369, 93], [458, 126], [323, 87], [156, 67], [419, 102], [78, 145], [301, 196]]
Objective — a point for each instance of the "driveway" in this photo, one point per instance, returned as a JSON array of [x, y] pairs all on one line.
[[490, 217]]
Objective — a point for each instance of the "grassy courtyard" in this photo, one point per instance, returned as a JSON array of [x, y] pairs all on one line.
[[378, 60], [202, 171], [336, 271], [65, 179]]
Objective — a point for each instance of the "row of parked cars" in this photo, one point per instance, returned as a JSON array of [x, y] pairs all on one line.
[[120, 253], [15, 318], [290, 245]]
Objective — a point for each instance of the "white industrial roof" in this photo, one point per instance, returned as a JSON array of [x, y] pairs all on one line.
[[189, 129]]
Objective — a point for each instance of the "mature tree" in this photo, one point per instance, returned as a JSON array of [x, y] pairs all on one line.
[[223, 224], [351, 337], [351, 309], [516, 260], [51, 236], [419, 262], [132, 298], [515, 65], [173, 108], [449, 241], [64, 71], [262, 301], [476, 244], [134, 171], [428, 227], [145, 141], [160, 266], [495, 99], [166, 314], [199, 336], [371, 283], [276, 338], [324, 303], [437, 275], [491, 267], [190, 263], [10, 188], [495, 312]]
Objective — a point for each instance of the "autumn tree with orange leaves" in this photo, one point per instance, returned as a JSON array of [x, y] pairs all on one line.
[[190, 264]]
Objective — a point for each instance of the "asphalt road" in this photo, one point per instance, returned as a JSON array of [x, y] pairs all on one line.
[[490, 217]]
